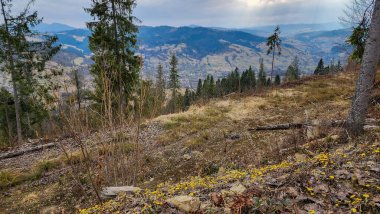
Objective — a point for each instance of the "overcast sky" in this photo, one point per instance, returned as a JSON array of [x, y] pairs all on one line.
[[216, 13]]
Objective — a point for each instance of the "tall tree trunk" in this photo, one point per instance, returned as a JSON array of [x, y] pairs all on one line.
[[8, 122], [13, 76], [367, 75], [120, 65], [78, 87], [271, 74]]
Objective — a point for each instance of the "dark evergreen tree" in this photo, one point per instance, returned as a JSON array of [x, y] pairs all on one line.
[[277, 80], [113, 43], [24, 53], [187, 100], [160, 87], [320, 68], [293, 71], [262, 77], [199, 88], [174, 82]]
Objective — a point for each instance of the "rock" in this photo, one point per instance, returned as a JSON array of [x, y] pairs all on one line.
[[342, 174], [221, 171], [197, 154], [238, 189], [112, 192], [321, 188], [187, 157], [371, 127], [300, 157], [374, 167], [312, 132], [185, 203], [292, 192], [335, 137], [52, 210], [233, 136], [205, 206]]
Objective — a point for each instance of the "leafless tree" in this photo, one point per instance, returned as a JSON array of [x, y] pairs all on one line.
[[357, 12]]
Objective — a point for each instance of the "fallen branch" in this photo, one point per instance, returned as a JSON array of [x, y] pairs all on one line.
[[25, 151], [287, 126]]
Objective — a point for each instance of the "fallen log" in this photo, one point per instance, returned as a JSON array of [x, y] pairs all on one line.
[[25, 151], [287, 126]]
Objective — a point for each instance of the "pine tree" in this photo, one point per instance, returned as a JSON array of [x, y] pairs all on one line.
[[277, 80], [293, 71], [199, 88], [187, 100], [174, 81], [78, 83], [113, 42], [160, 87], [262, 77], [251, 78], [274, 42], [320, 68], [24, 53]]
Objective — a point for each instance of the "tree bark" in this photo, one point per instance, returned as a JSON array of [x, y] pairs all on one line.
[[11, 65], [271, 74], [365, 82], [8, 122]]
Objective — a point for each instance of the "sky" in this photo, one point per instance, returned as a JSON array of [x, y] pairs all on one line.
[[211, 13]]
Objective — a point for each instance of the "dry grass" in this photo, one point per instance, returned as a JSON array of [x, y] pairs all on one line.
[[213, 135]]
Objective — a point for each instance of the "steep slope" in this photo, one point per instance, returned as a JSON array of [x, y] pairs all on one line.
[[209, 149]]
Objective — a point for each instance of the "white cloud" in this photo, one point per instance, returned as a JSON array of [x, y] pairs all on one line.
[[223, 13]]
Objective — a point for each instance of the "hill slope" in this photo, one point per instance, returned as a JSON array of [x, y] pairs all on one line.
[[208, 153], [203, 51]]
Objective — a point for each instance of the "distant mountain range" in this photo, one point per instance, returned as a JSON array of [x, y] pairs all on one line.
[[216, 51]]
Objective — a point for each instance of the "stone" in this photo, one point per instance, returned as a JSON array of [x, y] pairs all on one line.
[[205, 206], [300, 157], [342, 174], [238, 189], [112, 192], [221, 171], [187, 157], [185, 203], [371, 127], [321, 188], [292, 192], [312, 132]]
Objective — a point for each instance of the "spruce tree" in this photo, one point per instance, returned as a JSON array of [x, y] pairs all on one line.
[[24, 53], [293, 71], [262, 77], [174, 81], [187, 100], [320, 68], [251, 76], [273, 42], [199, 88], [113, 43], [160, 86], [277, 80]]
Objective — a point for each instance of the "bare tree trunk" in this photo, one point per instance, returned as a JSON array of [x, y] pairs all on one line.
[[119, 62], [360, 102], [271, 74], [11, 65], [78, 87], [8, 123]]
